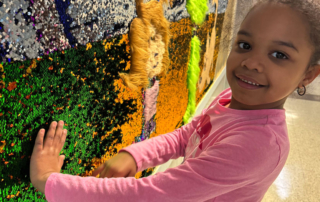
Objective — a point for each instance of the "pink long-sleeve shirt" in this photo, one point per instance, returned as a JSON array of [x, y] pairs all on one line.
[[230, 155]]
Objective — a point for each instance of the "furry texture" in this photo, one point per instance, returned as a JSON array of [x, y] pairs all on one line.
[[197, 10], [149, 15], [157, 50], [193, 76]]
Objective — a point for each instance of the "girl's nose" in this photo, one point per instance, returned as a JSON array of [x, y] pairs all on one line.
[[253, 64]]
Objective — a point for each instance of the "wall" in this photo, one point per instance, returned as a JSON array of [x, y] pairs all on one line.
[[64, 60]]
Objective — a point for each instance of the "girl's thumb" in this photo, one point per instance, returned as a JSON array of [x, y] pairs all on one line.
[[61, 160], [98, 170]]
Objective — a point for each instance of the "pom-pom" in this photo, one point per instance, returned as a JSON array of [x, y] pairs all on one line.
[[197, 10]]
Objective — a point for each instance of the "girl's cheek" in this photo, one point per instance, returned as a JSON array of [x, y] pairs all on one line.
[[233, 58]]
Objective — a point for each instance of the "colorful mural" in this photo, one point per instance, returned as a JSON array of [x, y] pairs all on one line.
[[71, 60]]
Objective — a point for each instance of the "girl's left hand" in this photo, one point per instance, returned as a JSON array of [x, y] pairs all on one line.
[[45, 158]]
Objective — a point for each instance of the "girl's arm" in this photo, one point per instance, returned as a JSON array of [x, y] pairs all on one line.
[[158, 150], [223, 167]]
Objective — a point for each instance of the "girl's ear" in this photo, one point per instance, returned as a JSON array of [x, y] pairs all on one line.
[[312, 73]]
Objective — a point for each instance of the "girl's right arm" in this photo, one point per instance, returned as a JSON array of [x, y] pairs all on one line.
[[160, 149], [148, 153]]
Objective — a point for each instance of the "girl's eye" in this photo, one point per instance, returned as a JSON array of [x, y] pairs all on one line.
[[243, 45], [281, 55]]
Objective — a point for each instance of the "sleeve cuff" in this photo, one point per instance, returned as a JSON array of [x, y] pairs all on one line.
[[48, 187]]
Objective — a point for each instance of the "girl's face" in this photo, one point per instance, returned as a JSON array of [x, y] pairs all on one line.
[[271, 49]]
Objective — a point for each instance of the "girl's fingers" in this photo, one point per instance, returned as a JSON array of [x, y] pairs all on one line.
[[48, 142], [108, 173], [62, 140], [103, 173], [132, 174], [39, 140], [98, 170], [57, 135], [119, 174]]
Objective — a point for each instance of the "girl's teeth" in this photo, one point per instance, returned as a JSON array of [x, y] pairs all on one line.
[[249, 82]]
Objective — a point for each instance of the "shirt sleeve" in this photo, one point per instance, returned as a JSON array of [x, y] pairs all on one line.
[[158, 150], [223, 167]]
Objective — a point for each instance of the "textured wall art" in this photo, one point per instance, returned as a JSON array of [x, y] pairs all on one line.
[[62, 60], [149, 39], [94, 19], [29, 29], [205, 79], [197, 10]]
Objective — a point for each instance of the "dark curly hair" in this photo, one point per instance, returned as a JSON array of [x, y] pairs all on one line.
[[311, 10]]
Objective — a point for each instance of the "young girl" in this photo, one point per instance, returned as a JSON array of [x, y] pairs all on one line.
[[236, 148]]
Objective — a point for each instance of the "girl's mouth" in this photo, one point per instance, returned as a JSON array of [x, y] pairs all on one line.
[[248, 85]]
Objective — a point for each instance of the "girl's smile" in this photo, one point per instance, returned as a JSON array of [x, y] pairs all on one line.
[[248, 84]]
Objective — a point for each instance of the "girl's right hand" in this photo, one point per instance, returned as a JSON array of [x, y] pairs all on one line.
[[121, 165]]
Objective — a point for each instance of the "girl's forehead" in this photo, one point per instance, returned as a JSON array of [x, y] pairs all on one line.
[[273, 21]]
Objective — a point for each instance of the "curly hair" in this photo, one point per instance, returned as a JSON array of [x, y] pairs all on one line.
[[310, 9]]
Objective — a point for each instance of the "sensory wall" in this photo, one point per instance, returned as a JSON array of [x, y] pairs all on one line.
[[117, 72]]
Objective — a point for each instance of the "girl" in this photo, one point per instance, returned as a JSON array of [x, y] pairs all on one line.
[[235, 149]]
